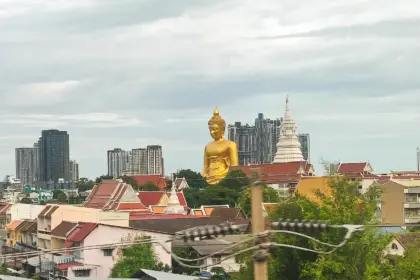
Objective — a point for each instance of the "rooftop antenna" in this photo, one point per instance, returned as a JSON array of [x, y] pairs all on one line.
[[418, 158]]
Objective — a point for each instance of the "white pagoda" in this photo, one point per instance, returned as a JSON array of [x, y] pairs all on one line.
[[288, 147]]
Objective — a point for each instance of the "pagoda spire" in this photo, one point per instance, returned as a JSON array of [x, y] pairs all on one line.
[[288, 146], [174, 206]]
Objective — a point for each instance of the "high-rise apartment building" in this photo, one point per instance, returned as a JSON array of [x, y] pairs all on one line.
[[74, 171], [267, 135], [305, 143], [155, 160], [138, 162], [27, 168], [54, 156], [245, 139], [118, 161]]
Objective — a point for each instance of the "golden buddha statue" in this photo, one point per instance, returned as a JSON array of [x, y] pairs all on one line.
[[220, 154]]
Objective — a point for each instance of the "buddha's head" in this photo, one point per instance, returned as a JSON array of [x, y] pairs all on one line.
[[217, 125]]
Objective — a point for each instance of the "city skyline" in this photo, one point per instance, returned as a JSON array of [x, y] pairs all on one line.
[[136, 74]]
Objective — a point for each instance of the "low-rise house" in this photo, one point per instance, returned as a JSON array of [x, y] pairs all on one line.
[[22, 211], [213, 247], [53, 215], [3, 214], [99, 262], [401, 242], [28, 234], [59, 234], [12, 234]]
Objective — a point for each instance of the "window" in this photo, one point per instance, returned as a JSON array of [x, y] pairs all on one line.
[[82, 273], [108, 252], [394, 246], [215, 261]]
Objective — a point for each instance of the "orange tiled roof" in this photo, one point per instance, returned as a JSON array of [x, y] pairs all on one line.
[[13, 225], [270, 207]]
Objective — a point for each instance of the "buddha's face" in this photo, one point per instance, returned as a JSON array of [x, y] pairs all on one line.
[[216, 131]]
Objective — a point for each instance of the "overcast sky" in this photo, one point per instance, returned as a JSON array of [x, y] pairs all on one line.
[[128, 73]]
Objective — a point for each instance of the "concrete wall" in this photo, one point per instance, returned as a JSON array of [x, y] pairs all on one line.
[[22, 211], [392, 203], [108, 234]]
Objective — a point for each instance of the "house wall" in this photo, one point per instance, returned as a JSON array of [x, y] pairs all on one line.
[[57, 243], [103, 235], [22, 211], [399, 251], [392, 203], [229, 265], [90, 215]]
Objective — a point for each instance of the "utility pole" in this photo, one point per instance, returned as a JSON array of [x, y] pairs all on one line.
[[258, 224]]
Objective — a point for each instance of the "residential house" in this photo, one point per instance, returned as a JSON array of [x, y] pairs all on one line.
[[28, 234], [99, 262], [282, 176], [213, 247], [59, 234], [401, 242], [12, 234], [400, 202], [114, 195], [53, 215], [157, 180], [3, 214], [22, 211]]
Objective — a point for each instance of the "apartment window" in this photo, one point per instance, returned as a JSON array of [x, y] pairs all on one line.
[[82, 273], [107, 252]]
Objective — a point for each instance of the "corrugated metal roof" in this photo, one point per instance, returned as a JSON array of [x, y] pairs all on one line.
[[81, 231], [63, 229], [159, 275]]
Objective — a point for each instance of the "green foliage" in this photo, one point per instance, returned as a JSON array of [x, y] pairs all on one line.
[[62, 197], [149, 186], [102, 177], [85, 184], [236, 179], [56, 193], [26, 200], [194, 179], [4, 270], [361, 258], [134, 258], [187, 253], [130, 181], [269, 195]]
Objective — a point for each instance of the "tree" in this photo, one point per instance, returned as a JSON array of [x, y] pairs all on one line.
[[136, 257], [361, 258], [220, 195], [194, 179], [56, 193], [129, 180], [149, 186], [235, 179], [103, 177], [269, 195], [62, 197], [85, 184], [26, 200]]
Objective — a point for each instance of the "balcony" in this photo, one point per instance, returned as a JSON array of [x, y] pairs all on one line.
[[411, 204], [412, 220], [412, 190]]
